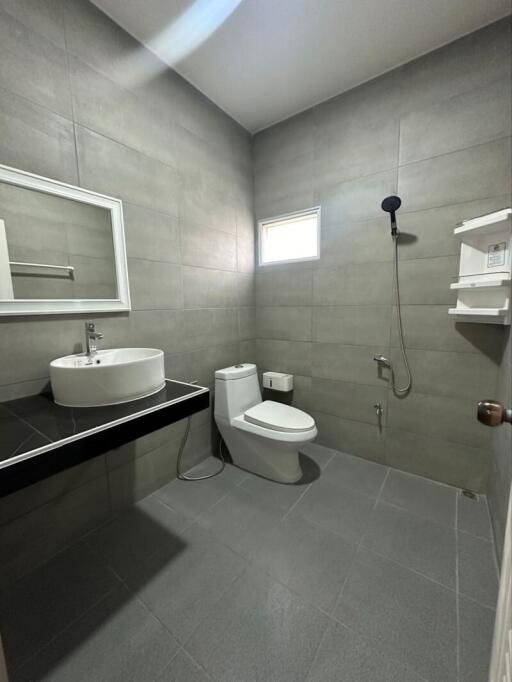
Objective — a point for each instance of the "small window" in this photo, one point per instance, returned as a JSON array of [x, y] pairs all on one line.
[[290, 238]]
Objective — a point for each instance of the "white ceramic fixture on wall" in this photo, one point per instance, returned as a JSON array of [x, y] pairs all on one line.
[[483, 289]]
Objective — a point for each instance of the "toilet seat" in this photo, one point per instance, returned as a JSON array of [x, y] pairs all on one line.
[[241, 424], [279, 417]]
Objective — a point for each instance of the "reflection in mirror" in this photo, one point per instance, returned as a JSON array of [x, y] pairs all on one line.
[[54, 247], [62, 248]]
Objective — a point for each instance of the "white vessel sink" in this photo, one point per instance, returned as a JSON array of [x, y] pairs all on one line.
[[117, 375]]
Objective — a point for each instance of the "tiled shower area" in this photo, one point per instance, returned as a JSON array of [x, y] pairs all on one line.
[[357, 573]]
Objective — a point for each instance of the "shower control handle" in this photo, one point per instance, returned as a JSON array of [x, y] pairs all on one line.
[[493, 413], [381, 360]]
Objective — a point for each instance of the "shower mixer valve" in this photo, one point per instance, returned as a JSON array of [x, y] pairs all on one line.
[[381, 360], [378, 409]]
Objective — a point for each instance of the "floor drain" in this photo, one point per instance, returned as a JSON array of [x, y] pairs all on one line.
[[470, 494]]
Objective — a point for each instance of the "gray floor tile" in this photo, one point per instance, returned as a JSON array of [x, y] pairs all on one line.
[[473, 516], [478, 577], [356, 473], [43, 603], [421, 496], [341, 510], [192, 498], [313, 464], [308, 559], [259, 631], [118, 640], [183, 669], [319, 453], [476, 627], [344, 656], [281, 496], [412, 619], [138, 533], [241, 521], [183, 552], [231, 474], [180, 589], [413, 541]]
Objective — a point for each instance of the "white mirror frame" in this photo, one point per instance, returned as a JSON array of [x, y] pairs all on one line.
[[21, 178]]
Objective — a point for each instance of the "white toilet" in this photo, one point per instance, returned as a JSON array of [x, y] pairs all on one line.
[[262, 437]]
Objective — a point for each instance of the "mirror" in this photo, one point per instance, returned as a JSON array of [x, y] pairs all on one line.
[[62, 248]]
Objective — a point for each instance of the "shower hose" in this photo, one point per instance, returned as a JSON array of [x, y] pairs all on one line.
[[184, 477], [400, 390]]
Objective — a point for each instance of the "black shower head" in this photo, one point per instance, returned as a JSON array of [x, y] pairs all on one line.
[[390, 205]]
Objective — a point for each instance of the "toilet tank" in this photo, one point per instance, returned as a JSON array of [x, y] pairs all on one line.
[[236, 390]]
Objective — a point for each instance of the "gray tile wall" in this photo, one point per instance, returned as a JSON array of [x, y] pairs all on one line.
[[71, 108], [437, 132], [500, 474], [50, 229]]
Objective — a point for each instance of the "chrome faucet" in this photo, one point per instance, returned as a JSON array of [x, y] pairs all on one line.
[[381, 360], [91, 336]]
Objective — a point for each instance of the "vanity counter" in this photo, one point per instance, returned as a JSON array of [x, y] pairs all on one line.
[[39, 438]]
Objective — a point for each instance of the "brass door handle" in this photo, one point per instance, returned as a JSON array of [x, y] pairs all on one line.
[[493, 413]]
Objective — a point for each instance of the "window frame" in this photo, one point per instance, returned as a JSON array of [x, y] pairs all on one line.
[[316, 210]]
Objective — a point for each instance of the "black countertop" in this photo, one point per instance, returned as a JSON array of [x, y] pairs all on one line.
[[36, 425]]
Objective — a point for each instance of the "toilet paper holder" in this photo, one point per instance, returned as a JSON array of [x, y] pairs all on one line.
[[277, 381]]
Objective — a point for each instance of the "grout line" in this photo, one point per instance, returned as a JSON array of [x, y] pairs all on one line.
[[107, 474], [371, 640], [67, 627], [488, 540], [492, 537], [47, 503], [332, 456], [180, 645], [345, 581], [269, 198], [23, 381], [454, 151], [425, 478], [317, 652], [398, 146], [457, 598], [186, 653], [374, 346], [468, 597], [71, 93], [397, 563], [210, 614], [173, 658], [381, 489], [297, 501], [357, 547], [416, 572]]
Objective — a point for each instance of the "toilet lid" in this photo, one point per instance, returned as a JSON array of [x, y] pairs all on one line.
[[279, 417]]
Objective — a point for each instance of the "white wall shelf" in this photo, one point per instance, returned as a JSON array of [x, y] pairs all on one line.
[[481, 284], [492, 222], [482, 315], [483, 288]]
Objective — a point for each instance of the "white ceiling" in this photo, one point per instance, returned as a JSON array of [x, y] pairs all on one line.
[[264, 60]]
